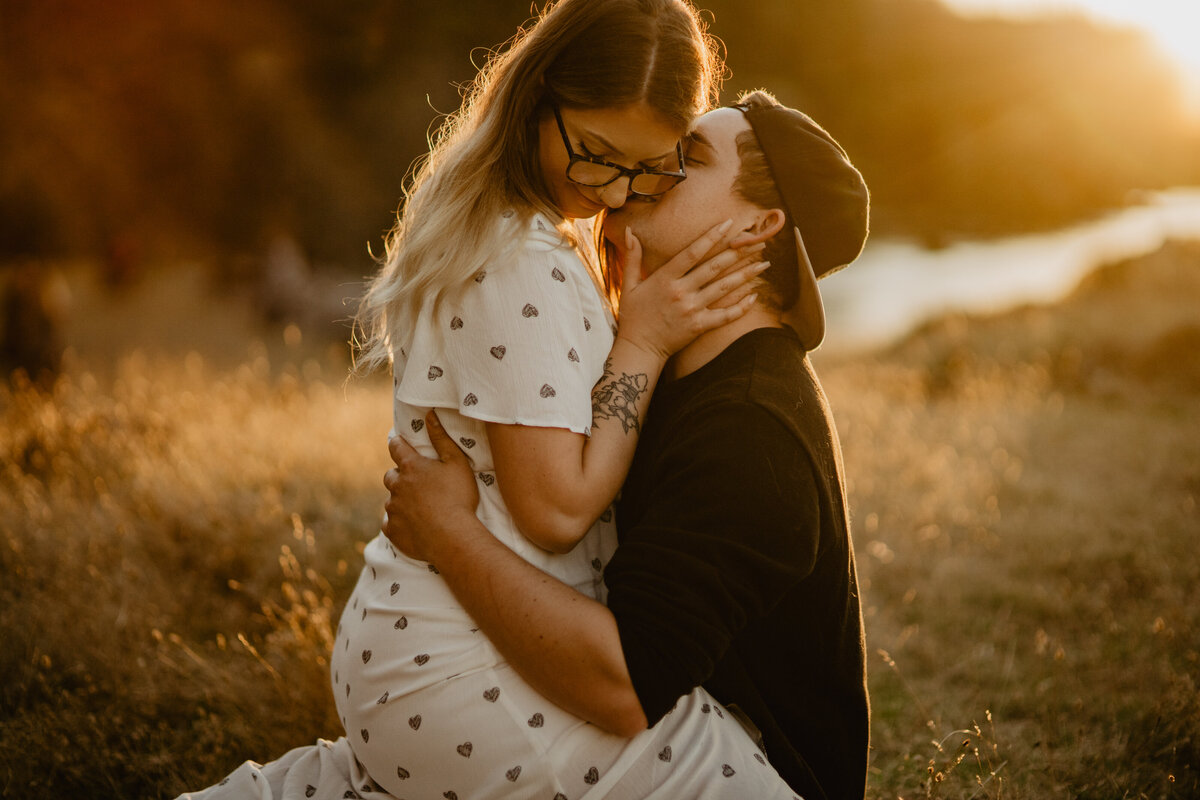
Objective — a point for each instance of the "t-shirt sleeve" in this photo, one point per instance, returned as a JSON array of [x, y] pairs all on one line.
[[730, 529], [515, 346]]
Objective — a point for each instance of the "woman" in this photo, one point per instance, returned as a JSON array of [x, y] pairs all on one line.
[[492, 311]]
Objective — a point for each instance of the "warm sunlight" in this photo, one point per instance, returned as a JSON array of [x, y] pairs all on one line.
[[975, 505], [1173, 24]]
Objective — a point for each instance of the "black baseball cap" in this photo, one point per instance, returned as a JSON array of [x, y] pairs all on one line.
[[825, 197]]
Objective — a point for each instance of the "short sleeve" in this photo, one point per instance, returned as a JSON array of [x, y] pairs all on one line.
[[523, 344], [729, 530]]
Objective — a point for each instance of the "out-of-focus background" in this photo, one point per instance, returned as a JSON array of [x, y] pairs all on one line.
[[190, 194], [265, 143]]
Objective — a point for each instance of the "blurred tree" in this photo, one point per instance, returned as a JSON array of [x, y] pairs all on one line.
[[32, 308], [213, 126], [971, 126], [175, 127]]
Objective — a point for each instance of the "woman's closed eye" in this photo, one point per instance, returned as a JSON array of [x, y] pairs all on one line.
[[585, 151], [658, 166]]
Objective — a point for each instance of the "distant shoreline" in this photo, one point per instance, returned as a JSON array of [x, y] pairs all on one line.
[[896, 284]]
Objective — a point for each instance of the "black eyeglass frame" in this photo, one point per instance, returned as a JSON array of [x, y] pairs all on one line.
[[632, 174]]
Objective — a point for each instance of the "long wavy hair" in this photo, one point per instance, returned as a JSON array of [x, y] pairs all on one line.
[[483, 161]]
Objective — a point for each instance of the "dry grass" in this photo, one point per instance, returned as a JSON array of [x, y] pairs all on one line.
[[179, 532], [169, 604], [1025, 493]]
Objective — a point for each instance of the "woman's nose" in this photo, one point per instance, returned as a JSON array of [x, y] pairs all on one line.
[[616, 193]]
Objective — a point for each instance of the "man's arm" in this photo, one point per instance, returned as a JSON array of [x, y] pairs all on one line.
[[565, 645]]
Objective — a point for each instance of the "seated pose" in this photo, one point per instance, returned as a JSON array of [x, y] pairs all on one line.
[[492, 308], [735, 570]]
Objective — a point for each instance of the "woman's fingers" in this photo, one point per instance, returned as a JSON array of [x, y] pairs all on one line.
[[631, 269], [737, 295], [716, 317], [693, 292], [720, 265], [732, 287], [743, 239], [691, 255]]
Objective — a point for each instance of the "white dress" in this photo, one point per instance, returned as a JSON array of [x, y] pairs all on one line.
[[431, 709]]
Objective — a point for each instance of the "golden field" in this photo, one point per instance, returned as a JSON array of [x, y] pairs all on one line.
[[182, 515]]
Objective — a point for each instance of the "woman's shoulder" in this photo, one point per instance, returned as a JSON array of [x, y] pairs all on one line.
[[537, 231], [539, 243]]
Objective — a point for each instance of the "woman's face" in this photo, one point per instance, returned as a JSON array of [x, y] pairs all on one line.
[[633, 136]]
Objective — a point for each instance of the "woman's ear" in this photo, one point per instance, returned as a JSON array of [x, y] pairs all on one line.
[[765, 224]]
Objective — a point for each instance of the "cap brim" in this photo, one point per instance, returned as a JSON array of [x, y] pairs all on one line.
[[807, 316]]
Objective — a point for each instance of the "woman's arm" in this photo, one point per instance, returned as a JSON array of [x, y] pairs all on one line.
[[556, 482]]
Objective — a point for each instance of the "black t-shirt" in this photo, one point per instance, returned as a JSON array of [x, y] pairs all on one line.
[[735, 569]]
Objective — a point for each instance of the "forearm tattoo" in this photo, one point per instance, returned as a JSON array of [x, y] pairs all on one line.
[[617, 398]]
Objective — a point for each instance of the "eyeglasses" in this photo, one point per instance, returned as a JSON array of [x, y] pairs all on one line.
[[594, 172]]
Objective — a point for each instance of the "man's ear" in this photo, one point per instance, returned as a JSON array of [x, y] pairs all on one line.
[[766, 223]]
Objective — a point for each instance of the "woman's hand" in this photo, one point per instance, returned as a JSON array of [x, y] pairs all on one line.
[[428, 496], [686, 296]]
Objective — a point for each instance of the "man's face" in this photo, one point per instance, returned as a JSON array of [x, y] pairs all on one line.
[[676, 219]]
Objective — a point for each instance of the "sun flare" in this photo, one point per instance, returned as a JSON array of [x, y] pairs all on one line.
[[1174, 26]]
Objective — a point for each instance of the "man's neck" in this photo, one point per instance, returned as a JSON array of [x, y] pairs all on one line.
[[707, 346]]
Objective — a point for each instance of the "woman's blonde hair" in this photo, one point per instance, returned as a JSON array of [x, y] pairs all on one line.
[[484, 160]]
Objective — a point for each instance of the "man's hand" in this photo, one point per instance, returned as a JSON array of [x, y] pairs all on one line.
[[564, 644], [428, 495]]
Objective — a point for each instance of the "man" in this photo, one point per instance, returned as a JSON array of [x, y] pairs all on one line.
[[735, 568]]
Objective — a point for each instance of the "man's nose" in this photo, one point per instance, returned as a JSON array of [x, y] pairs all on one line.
[[616, 193]]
